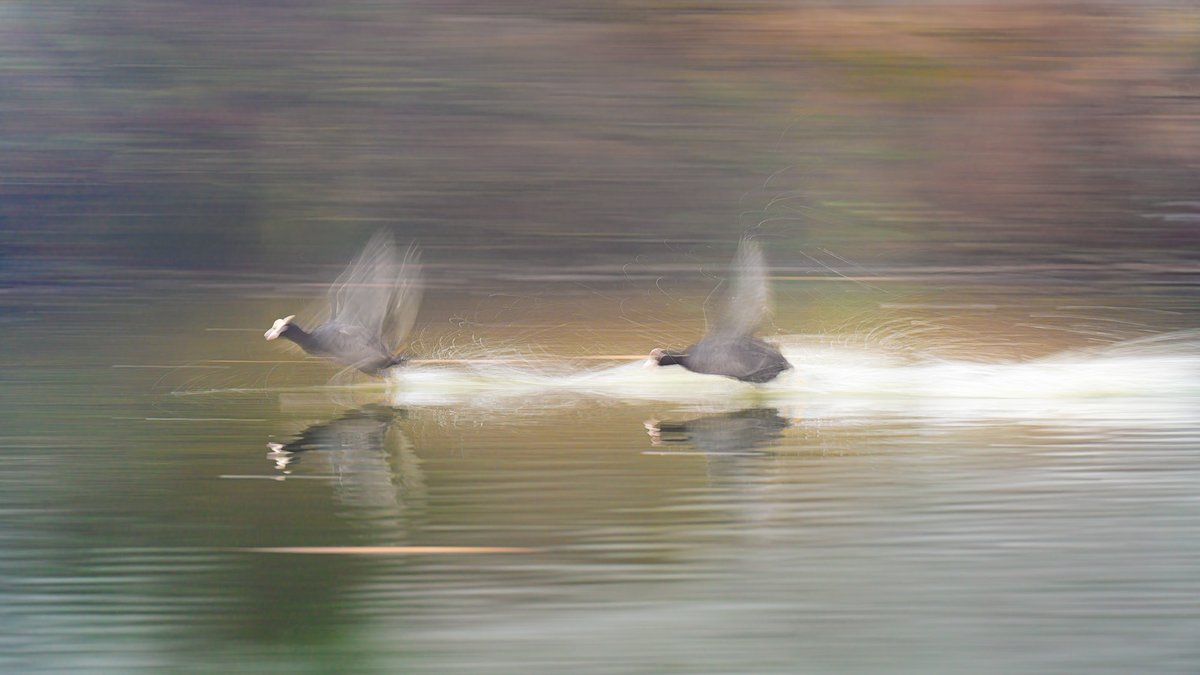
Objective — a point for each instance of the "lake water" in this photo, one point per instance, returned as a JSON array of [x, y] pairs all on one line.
[[966, 471]]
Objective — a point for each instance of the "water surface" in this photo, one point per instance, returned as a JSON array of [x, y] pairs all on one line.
[[959, 476]]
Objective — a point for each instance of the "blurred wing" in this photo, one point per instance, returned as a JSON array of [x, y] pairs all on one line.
[[380, 291], [406, 299], [749, 296], [359, 296]]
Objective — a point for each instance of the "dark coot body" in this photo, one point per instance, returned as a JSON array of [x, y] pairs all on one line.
[[743, 358], [372, 307], [730, 348], [345, 343]]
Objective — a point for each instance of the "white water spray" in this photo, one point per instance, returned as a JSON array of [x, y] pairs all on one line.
[[1155, 379]]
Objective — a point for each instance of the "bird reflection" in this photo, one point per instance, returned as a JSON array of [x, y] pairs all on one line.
[[375, 471], [745, 431], [363, 428]]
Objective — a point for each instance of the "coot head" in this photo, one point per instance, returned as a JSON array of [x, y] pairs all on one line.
[[279, 327], [662, 357]]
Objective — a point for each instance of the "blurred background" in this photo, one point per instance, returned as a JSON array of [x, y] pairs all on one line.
[[225, 135]]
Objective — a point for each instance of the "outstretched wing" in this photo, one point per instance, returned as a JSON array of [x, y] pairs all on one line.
[[749, 296], [380, 291], [405, 300]]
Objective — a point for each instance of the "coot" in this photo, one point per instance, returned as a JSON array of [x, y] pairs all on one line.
[[730, 348], [372, 307]]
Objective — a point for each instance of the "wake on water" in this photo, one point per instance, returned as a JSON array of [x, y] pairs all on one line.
[[1155, 378]]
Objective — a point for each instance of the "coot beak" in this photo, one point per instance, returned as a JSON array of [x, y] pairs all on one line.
[[277, 328]]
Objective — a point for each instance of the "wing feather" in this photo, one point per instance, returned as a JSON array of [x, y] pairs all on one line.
[[749, 296], [379, 291]]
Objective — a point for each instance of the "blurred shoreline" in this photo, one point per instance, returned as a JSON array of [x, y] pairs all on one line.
[[214, 135]]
